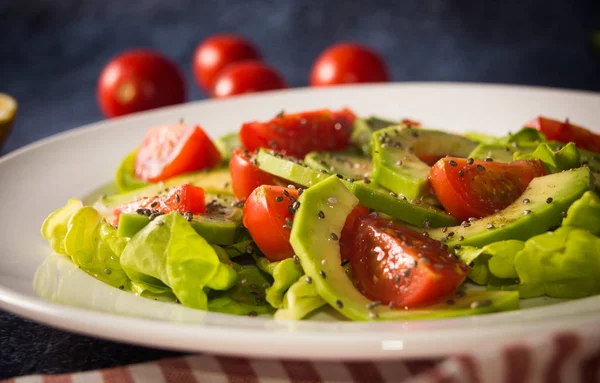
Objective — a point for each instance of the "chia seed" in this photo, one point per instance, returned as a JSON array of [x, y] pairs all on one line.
[[333, 236], [320, 214], [322, 274], [549, 200], [308, 279], [339, 304], [526, 201], [470, 161]]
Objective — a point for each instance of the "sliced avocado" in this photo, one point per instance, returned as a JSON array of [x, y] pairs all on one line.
[[396, 151], [498, 152], [125, 178], [215, 181], [547, 198], [219, 225], [226, 144], [362, 131], [370, 195], [349, 164], [314, 240]]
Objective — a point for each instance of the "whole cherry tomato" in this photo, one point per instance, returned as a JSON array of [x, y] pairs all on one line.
[[138, 80], [247, 77]]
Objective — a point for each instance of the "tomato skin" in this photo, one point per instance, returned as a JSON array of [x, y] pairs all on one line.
[[347, 63], [265, 214], [246, 176], [300, 133], [565, 132], [139, 80], [484, 188], [247, 77], [171, 150], [184, 198], [350, 228], [383, 255], [215, 53]]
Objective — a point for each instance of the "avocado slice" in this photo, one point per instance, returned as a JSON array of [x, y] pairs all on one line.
[[396, 151], [370, 195], [215, 181], [314, 240], [362, 131], [546, 199], [226, 144], [350, 164]]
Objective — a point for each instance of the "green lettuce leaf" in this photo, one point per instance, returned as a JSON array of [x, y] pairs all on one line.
[[561, 264], [525, 136], [169, 251], [585, 213], [92, 244], [495, 260], [300, 300], [284, 273], [125, 177], [246, 297], [567, 157]]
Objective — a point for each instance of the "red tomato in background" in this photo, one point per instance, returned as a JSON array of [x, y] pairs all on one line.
[[247, 77], [170, 150], [565, 132], [139, 80], [245, 175], [347, 63], [392, 263], [300, 133], [218, 51], [266, 211], [480, 188], [184, 198]]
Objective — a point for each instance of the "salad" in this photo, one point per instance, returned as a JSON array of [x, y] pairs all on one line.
[[377, 219]]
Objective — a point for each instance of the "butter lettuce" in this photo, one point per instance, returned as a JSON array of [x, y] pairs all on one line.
[[246, 297], [92, 244], [523, 136], [565, 158], [125, 176], [284, 273], [494, 260], [585, 213], [169, 252], [300, 300], [562, 264]]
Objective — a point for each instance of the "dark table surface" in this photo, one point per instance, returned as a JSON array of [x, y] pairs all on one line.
[[52, 51]]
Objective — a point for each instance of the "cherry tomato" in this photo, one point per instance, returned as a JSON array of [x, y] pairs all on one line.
[[185, 198], [247, 77], [348, 63], [170, 150], [565, 132], [266, 211], [392, 263], [218, 51], [139, 80], [245, 175], [468, 188], [301, 133], [349, 229]]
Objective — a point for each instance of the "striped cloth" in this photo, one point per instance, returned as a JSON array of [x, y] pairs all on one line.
[[568, 357]]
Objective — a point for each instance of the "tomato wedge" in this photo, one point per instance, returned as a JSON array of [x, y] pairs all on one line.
[[170, 150], [468, 188], [245, 175], [565, 132], [301, 133], [184, 199], [268, 215], [348, 229], [391, 263]]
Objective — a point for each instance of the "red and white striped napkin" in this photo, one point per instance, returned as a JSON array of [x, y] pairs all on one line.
[[568, 357]]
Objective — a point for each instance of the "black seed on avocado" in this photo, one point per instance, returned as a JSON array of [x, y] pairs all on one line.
[[300, 191], [399, 162], [456, 247], [322, 274], [461, 238], [450, 234], [121, 287], [279, 198], [444, 229], [333, 236], [308, 279], [373, 304], [490, 227], [549, 200], [339, 176], [339, 304], [563, 214], [320, 214], [373, 315], [453, 163], [526, 201], [107, 271], [252, 314], [393, 194], [296, 259], [527, 212], [296, 205]]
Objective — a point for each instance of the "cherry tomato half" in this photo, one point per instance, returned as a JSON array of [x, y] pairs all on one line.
[[218, 51], [170, 150], [565, 132], [139, 80], [476, 189], [247, 77], [245, 175], [300, 133], [348, 63], [392, 263]]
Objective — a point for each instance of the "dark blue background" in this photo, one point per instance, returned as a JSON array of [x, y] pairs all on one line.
[[52, 51]]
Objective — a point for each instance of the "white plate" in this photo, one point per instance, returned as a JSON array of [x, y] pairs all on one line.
[[41, 177]]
